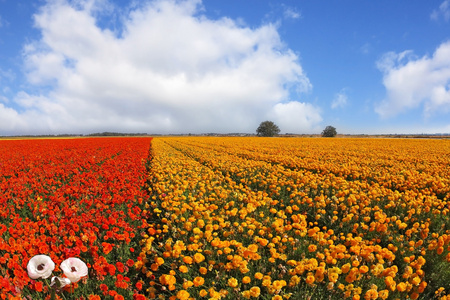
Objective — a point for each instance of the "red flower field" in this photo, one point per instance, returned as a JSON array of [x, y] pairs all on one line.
[[72, 198]]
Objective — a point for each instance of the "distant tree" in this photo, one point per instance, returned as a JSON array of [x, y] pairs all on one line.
[[329, 131], [267, 128]]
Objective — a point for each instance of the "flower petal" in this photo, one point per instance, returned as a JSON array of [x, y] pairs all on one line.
[[74, 268], [40, 266], [60, 282]]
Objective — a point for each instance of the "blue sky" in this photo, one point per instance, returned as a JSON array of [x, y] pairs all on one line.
[[194, 66]]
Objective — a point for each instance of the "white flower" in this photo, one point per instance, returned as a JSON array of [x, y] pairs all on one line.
[[60, 282], [74, 268], [40, 266]]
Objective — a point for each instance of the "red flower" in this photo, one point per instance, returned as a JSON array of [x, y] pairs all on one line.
[[107, 247], [130, 263], [38, 286], [120, 267]]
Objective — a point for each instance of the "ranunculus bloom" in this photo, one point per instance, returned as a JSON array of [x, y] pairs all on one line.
[[40, 266], [60, 282], [74, 268]]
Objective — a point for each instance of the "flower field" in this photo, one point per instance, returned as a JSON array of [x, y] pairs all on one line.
[[67, 198], [226, 218], [256, 218]]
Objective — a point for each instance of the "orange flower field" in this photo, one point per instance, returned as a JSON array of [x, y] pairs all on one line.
[[228, 217], [280, 218]]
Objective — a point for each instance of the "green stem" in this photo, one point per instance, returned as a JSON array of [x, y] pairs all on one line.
[[52, 295]]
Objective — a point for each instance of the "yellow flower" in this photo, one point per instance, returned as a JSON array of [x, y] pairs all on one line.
[[279, 284], [167, 279], [187, 284], [295, 280], [345, 268], [246, 279], [371, 294], [333, 277], [232, 282], [255, 291], [383, 294], [159, 261], [246, 294]]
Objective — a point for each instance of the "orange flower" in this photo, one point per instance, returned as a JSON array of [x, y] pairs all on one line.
[[383, 294], [390, 283], [183, 269], [312, 248], [198, 257], [188, 260], [310, 279], [183, 295], [363, 269], [401, 287], [198, 281]]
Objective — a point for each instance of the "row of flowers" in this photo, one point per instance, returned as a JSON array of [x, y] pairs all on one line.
[[76, 206], [284, 218], [227, 218]]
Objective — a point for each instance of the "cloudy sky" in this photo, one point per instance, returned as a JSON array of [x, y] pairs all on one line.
[[192, 66]]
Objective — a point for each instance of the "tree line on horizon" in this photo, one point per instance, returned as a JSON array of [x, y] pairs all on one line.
[[270, 129]]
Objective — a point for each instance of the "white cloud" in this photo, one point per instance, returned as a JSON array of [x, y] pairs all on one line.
[[291, 13], [7, 75], [170, 69], [296, 117], [412, 81], [444, 11], [365, 49], [340, 99], [3, 22]]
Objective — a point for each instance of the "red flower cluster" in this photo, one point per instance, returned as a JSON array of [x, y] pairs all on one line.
[[70, 198]]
